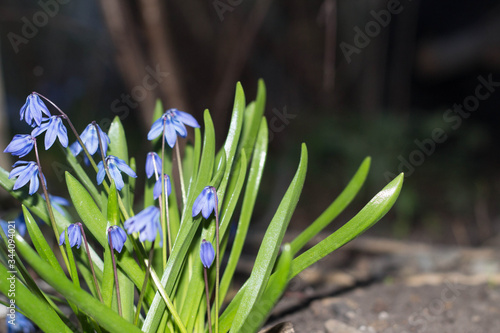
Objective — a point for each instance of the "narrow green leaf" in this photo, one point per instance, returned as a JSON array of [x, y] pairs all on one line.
[[368, 216], [41, 245], [233, 135], [107, 278], [275, 288], [106, 317], [253, 116], [378, 206], [251, 191], [71, 259], [118, 141], [113, 210], [127, 297], [82, 175], [342, 201], [35, 309], [269, 248]]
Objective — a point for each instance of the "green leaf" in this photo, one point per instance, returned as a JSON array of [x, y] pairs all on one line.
[[275, 288], [35, 309], [71, 259], [233, 135], [82, 175], [106, 317], [113, 210], [118, 141], [253, 116], [342, 201], [269, 248], [41, 245], [251, 191], [368, 216], [378, 206]]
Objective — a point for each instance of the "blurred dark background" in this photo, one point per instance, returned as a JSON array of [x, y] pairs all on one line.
[[415, 84]]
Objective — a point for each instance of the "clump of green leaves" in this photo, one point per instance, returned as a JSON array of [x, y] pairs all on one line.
[[169, 277]]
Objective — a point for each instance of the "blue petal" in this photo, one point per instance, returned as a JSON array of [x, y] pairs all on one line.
[[100, 173], [62, 133], [207, 254], [199, 203], [75, 148], [186, 118], [157, 188], [40, 129], [34, 184], [24, 177], [116, 175], [51, 135], [156, 129], [62, 238], [124, 167], [90, 140], [179, 128], [170, 134]]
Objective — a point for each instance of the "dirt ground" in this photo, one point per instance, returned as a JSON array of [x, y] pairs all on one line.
[[385, 286]]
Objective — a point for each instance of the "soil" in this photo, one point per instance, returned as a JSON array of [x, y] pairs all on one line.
[[385, 286]]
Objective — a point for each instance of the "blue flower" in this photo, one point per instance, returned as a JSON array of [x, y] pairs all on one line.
[[74, 235], [115, 165], [206, 202], [91, 140], [157, 188], [22, 325], [117, 237], [25, 172], [55, 129], [153, 164], [207, 253], [174, 121], [147, 222], [32, 110], [20, 145]]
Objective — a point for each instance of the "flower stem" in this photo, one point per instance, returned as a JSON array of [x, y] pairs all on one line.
[[217, 264], [118, 298], [49, 206], [91, 263], [207, 293], [145, 284], [163, 198], [181, 174]]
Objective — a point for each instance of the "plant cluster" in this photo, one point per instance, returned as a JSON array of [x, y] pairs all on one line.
[[160, 269]]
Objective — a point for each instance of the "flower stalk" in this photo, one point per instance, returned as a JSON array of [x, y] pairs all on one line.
[[49, 206]]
